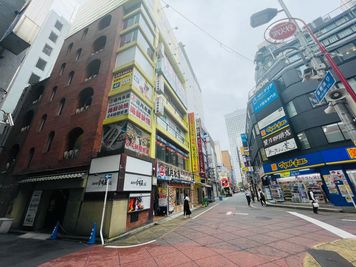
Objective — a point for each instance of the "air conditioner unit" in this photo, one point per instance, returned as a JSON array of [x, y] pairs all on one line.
[[159, 105]]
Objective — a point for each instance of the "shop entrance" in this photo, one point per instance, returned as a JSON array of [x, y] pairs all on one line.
[[56, 208]]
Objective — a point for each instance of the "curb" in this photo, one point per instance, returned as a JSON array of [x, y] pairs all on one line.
[[303, 207]]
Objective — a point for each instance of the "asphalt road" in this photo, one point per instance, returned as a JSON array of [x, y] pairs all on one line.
[[228, 234]]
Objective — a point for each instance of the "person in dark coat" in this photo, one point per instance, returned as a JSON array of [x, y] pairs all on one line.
[[186, 211], [313, 200], [262, 197], [248, 196]]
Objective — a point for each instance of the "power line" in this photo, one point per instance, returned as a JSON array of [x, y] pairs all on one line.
[[222, 45]]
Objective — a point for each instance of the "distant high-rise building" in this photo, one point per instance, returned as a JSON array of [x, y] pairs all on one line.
[[235, 124]]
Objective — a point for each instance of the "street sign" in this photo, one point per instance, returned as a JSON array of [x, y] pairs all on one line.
[[326, 84], [282, 31], [108, 176]]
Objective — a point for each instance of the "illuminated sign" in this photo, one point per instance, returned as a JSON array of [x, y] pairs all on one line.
[[193, 143], [274, 127], [264, 97], [352, 152], [277, 137]]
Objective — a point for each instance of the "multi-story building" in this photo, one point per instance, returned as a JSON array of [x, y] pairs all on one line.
[[235, 125], [294, 144], [114, 109]]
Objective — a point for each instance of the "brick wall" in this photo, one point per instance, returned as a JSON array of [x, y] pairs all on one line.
[[143, 218]]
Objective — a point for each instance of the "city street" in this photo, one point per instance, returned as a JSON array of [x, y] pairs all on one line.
[[226, 233]]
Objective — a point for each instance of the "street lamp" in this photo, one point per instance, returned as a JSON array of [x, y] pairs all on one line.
[[268, 14]]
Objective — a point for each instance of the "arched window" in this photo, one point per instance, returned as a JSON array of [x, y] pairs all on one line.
[[42, 123], [85, 32], [104, 22], [27, 119], [37, 94], [93, 69], [30, 156], [63, 66], [54, 91], [74, 143], [61, 106], [12, 155], [70, 77], [70, 46], [79, 52], [85, 99], [99, 44], [49, 142]]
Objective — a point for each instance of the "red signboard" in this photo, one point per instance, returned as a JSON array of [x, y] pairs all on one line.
[[225, 182], [282, 31]]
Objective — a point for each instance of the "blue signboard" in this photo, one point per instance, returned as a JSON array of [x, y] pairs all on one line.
[[244, 139], [264, 97], [324, 86], [308, 160]]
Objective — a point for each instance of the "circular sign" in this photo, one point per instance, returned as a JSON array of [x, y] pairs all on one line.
[[280, 31]]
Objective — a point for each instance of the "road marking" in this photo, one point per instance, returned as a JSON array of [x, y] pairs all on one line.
[[229, 213], [328, 227], [205, 211], [348, 220], [241, 213], [132, 246]]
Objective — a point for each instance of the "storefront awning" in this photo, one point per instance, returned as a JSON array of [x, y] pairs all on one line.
[[53, 177], [180, 181]]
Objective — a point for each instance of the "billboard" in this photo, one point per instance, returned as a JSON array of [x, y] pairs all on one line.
[[97, 183], [137, 182], [264, 97], [282, 147], [140, 110], [274, 127], [118, 105], [200, 149], [277, 114], [193, 143], [278, 137], [137, 140], [138, 202]]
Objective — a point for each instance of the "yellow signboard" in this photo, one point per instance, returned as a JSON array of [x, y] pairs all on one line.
[[352, 152], [193, 143], [121, 80]]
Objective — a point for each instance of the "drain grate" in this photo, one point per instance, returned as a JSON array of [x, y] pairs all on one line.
[[328, 258]]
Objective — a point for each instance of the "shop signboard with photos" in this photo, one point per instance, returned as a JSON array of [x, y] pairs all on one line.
[[170, 172], [114, 137], [139, 202], [137, 140], [140, 84]]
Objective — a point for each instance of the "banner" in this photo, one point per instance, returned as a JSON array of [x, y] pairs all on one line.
[[193, 143], [118, 105], [137, 182], [32, 208], [200, 150], [162, 196], [140, 110], [169, 172], [114, 137]]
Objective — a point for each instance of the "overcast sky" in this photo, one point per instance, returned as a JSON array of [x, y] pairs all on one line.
[[224, 77]]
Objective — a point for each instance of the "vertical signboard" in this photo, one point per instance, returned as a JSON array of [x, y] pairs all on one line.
[[200, 150], [32, 208], [193, 143]]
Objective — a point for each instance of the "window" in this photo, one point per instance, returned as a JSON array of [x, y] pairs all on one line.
[[69, 49], [85, 99], [79, 52], [314, 102], [47, 50], [303, 140], [53, 37], [63, 66], [333, 133], [61, 106], [85, 32], [179, 196], [333, 39], [351, 81], [42, 123], [93, 69], [49, 142], [344, 130], [347, 51], [58, 25], [129, 37], [74, 143], [131, 21], [34, 79], [41, 64], [30, 156], [37, 94], [345, 33], [104, 22], [290, 108], [263, 154], [99, 44], [70, 78], [54, 91]]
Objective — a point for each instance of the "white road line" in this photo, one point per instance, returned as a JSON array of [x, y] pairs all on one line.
[[241, 213], [328, 227], [205, 211], [132, 246], [348, 220], [229, 213]]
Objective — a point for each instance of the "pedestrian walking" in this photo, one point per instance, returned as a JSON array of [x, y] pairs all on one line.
[[313, 200], [261, 195], [186, 211], [253, 196], [248, 196]]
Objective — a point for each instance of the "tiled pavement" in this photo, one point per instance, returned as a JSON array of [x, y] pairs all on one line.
[[264, 237]]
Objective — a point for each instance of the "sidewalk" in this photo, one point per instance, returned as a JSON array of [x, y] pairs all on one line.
[[307, 206]]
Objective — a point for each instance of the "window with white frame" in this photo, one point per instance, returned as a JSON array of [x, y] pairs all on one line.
[[303, 140]]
